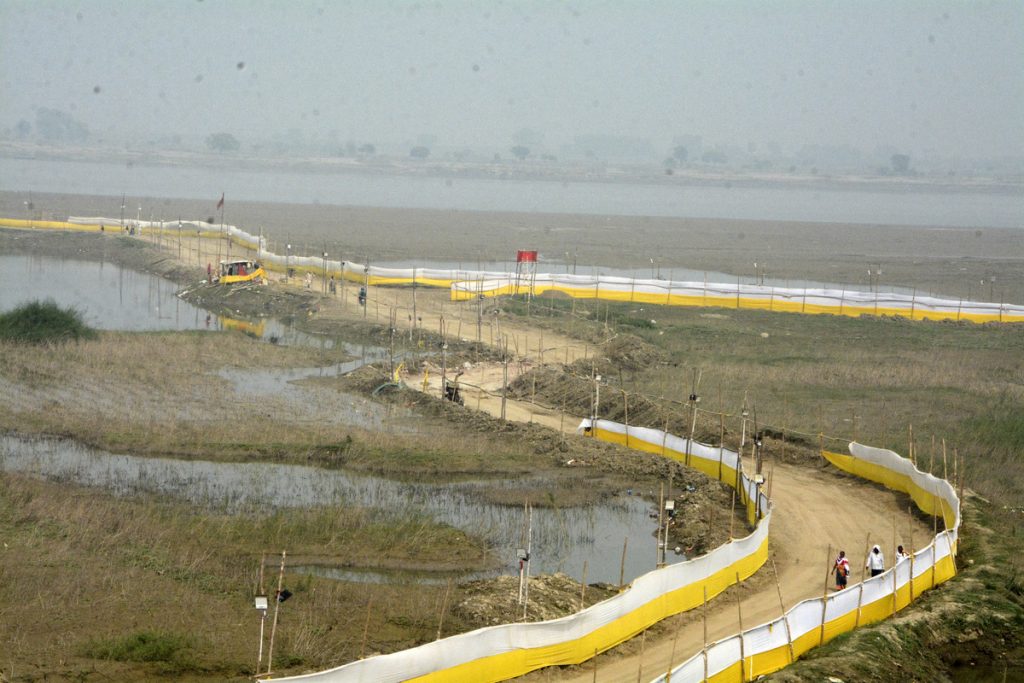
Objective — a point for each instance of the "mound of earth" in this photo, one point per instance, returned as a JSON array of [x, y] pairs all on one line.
[[496, 601]]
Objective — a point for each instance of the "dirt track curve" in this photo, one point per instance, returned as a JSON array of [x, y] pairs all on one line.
[[815, 508]]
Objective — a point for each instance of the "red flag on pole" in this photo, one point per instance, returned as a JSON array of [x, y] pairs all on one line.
[[220, 204]]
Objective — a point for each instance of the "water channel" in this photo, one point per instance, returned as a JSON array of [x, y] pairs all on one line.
[[562, 539], [115, 298]]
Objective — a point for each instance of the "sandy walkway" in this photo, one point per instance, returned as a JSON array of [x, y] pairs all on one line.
[[806, 498], [804, 525]]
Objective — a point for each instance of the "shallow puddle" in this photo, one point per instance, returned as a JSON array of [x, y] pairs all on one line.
[[563, 539]]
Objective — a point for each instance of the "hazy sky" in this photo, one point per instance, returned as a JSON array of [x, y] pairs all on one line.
[[945, 77]]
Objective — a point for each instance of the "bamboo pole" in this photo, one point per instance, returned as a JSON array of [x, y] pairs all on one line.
[[366, 628], [277, 608], [960, 495], [721, 443], [640, 659], [672, 656], [661, 514], [945, 471], [894, 601], [705, 619], [785, 619], [824, 595], [625, 405], [863, 574], [739, 614], [732, 514], [622, 564], [583, 587], [910, 518], [935, 532]]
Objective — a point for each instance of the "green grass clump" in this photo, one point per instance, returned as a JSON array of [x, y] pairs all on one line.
[[144, 646], [43, 322]]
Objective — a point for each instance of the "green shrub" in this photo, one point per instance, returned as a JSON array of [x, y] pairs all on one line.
[[43, 322], [144, 646]]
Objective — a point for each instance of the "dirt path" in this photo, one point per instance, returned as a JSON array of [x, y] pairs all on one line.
[[804, 525]]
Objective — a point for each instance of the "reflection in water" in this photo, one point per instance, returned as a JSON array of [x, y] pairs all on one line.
[[563, 538], [110, 297]]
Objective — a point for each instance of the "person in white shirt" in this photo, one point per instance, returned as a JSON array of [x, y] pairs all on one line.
[[876, 563], [901, 554]]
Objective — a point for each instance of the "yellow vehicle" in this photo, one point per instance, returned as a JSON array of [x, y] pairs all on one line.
[[232, 272]]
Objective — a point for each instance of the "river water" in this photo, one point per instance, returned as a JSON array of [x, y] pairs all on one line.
[[115, 298], [782, 203], [562, 539], [109, 297]]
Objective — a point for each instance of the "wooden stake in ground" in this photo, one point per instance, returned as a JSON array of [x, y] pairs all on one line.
[[863, 574], [672, 656], [785, 620], [277, 608], [640, 659], [732, 514], [263, 613], [704, 618], [894, 601], [945, 471], [366, 628], [910, 518], [583, 587], [661, 513], [824, 596], [739, 614], [960, 495], [622, 565]]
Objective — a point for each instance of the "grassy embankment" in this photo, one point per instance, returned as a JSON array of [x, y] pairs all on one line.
[[864, 379], [161, 394], [132, 588]]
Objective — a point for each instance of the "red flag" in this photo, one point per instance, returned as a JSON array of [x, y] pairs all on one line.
[[220, 204]]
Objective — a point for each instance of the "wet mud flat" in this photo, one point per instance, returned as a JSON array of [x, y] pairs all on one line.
[[944, 260]]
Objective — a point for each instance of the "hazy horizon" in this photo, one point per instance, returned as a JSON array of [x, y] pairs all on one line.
[[920, 78]]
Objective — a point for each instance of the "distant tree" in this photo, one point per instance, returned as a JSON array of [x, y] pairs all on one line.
[[900, 163], [680, 154], [23, 129], [223, 142], [419, 152], [520, 152], [59, 126], [367, 149]]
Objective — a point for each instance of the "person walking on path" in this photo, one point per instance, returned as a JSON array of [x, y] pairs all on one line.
[[876, 562], [901, 554], [841, 569]]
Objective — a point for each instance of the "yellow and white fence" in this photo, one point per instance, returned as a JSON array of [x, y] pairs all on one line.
[[501, 652], [471, 284], [770, 647], [848, 302]]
